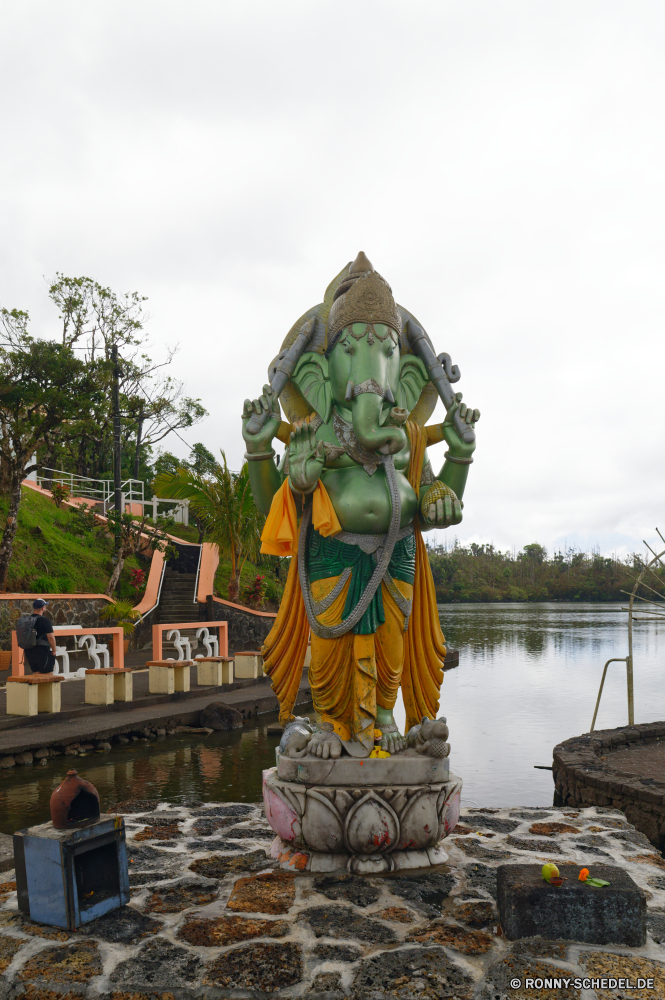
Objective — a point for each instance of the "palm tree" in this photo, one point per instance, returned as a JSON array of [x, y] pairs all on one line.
[[222, 502]]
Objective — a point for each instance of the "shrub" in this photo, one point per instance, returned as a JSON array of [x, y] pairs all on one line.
[[60, 493], [254, 594]]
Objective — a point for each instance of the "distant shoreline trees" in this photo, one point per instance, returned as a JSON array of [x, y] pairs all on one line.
[[482, 573]]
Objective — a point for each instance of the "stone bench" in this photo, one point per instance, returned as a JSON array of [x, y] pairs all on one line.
[[248, 665], [214, 670], [168, 676], [32, 694], [104, 685]]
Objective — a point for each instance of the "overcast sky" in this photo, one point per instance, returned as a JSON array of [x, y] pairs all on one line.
[[501, 163]]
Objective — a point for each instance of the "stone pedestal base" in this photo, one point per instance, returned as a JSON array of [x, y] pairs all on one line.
[[392, 816]]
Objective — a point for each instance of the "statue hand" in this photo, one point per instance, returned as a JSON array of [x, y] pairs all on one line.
[[458, 447], [306, 458], [268, 404], [439, 506]]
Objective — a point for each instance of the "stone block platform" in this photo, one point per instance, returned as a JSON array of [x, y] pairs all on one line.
[[210, 916]]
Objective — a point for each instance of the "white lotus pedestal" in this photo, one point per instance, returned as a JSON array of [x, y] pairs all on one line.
[[368, 816]]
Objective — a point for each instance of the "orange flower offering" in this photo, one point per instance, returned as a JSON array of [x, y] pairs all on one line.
[[583, 875]]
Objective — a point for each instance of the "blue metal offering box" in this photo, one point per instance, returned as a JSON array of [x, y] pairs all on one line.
[[68, 877]]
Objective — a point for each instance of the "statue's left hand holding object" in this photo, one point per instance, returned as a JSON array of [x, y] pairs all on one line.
[[267, 404]]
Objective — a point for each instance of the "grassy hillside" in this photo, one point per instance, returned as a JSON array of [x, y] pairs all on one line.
[[54, 554]]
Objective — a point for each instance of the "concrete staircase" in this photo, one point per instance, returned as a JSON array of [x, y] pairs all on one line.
[[177, 600]]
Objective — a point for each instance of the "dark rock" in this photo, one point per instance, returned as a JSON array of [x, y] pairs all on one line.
[[162, 819], [481, 877], [158, 964], [546, 847], [632, 837], [530, 814], [235, 809], [337, 952], [144, 878], [354, 888], [219, 716], [327, 985], [396, 915], [453, 936], [134, 806], [425, 892], [214, 845], [656, 925], [8, 948], [497, 981], [70, 963], [476, 914], [552, 829], [401, 974], [219, 931], [270, 892], [538, 948], [591, 840], [122, 926], [342, 922], [219, 867], [206, 826], [181, 895], [529, 906], [496, 823], [474, 849], [148, 858], [658, 882], [250, 833], [268, 967]]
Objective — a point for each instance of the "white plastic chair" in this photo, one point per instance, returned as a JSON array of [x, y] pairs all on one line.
[[210, 642], [181, 643], [93, 652]]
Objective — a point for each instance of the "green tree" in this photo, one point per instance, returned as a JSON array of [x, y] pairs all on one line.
[[222, 502], [42, 387]]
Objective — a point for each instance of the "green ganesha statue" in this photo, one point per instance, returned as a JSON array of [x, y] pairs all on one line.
[[357, 378]]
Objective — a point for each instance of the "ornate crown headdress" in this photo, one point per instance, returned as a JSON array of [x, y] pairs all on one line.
[[362, 297]]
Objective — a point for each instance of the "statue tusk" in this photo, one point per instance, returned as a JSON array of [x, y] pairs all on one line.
[[348, 395]]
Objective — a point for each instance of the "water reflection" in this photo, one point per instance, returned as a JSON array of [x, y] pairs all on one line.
[[528, 679]]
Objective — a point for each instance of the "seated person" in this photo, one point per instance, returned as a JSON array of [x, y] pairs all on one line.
[[41, 657]]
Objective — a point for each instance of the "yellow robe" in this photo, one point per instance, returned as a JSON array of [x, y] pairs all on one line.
[[349, 676]]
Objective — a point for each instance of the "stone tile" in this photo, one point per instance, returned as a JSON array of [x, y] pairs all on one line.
[[218, 866], [463, 831], [271, 892], [158, 964], [148, 858], [495, 823], [267, 967], [499, 975], [161, 818], [603, 964], [656, 925], [167, 832], [354, 888], [179, 896], [211, 824], [426, 973], [215, 845], [452, 936], [32, 992], [398, 914], [426, 892], [122, 926], [474, 849], [8, 948], [233, 809], [328, 984], [481, 877], [551, 829], [630, 837], [250, 832], [342, 922], [540, 948], [475, 914], [70, 963], [220, 931], [336, 952], [590, 840], [649, 859], [530, 814], [133, 806], [11, 919], [546, 847]]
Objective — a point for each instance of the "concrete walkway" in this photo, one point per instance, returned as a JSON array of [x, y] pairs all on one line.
[[79, 722]]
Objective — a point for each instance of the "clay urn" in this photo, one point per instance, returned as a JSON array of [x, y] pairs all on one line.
[[74, 801]]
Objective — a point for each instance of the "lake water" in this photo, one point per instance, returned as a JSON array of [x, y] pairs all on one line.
[[528, 679]]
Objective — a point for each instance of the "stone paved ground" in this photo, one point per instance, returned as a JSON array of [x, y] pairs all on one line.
[[210, 916]]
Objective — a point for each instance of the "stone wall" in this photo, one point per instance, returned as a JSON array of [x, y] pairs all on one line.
[[65, 609], [247, 629], [585, 775]]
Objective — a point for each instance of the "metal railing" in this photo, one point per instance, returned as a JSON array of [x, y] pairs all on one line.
[[628, 660], [101, 492]]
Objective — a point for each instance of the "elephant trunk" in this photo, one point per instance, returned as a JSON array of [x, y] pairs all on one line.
[[367, 426]]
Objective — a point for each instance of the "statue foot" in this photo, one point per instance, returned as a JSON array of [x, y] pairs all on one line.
[[325, 744], [393, 742]]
